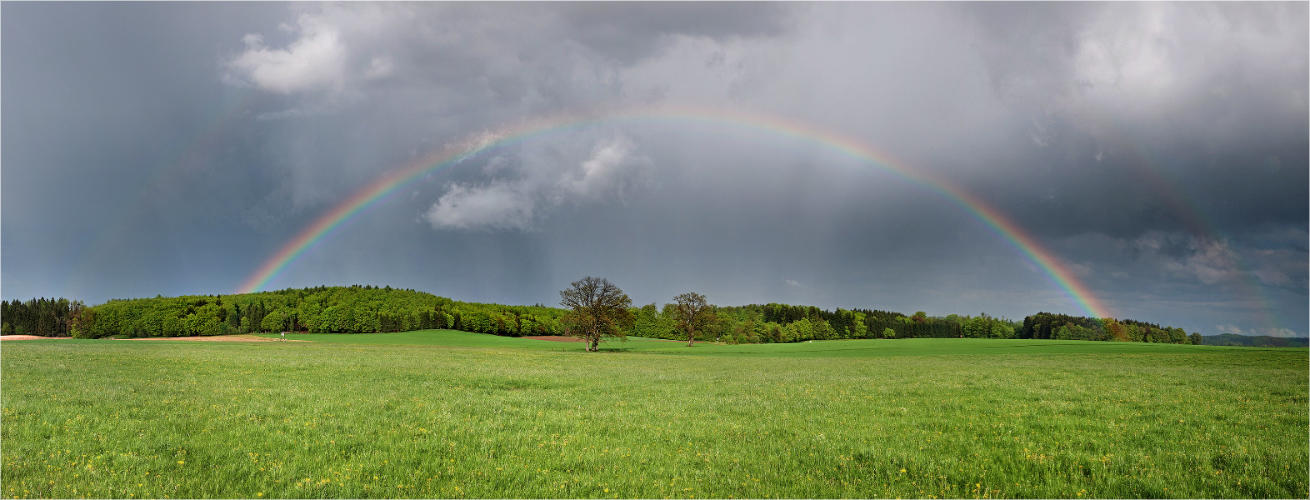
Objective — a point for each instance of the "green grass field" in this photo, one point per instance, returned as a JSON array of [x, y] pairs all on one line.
[[449, 414]]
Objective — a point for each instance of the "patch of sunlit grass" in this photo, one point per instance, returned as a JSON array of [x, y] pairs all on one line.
[[938, 418]]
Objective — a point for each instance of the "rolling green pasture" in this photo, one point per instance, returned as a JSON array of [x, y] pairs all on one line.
[[451, 414]]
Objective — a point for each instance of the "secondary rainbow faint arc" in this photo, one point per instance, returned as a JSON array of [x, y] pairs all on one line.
[[1056, 271]]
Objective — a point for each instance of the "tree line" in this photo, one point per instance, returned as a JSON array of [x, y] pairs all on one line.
[[1064, 327], [766, 323], [690, 317], [42, 317], [352, 309]]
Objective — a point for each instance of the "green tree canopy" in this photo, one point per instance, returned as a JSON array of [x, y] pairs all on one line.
[[692, 314], [597, 309]]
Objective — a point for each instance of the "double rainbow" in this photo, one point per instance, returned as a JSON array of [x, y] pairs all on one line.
[[1056, 272]]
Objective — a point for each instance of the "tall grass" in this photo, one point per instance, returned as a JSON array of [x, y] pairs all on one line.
[[461, 415]]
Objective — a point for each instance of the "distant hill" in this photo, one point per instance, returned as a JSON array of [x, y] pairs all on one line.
[[1261, 341]]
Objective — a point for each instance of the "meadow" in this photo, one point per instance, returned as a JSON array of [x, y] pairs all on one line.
[[454, 414]]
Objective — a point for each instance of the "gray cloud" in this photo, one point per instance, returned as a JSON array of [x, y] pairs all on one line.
[[1148, 116], [450, 68], [1158, 149]]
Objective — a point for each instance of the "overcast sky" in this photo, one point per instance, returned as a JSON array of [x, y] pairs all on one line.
[[1158, 151]]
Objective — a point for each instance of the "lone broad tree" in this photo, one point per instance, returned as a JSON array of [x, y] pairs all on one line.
[[597, 309], [692, 314]]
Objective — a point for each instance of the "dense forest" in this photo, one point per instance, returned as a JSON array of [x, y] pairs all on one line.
[[42, 317], [1063, 327], [368, 309], [354, 309]]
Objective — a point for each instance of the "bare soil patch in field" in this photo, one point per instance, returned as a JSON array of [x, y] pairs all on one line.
[[222, 338], [28, 337], [553, 338]]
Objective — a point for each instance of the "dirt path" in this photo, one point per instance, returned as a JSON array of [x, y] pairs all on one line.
[[28, 337]]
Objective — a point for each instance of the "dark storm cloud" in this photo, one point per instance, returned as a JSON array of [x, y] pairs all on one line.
[[1029, 48], [505, 53], [1168, 139], [631, 31], [1143, 116], [101, 105], [1158, 149], [382, 79]]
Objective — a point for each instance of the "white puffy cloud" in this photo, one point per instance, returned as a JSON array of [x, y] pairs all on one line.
[[599, 174], [539, 181], [317, 59], [1279, 332], [1216, 261], [1256, 332], [501, 206]]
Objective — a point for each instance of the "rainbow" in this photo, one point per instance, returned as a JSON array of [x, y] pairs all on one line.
[[1025, 244], [1189, 212]]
